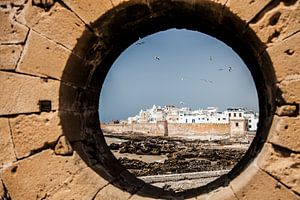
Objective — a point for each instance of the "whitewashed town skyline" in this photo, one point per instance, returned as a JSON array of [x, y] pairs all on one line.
[[173, 114], [193, 68]]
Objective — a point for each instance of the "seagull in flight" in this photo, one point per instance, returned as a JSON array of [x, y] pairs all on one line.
[[229, 69], [140, 42]]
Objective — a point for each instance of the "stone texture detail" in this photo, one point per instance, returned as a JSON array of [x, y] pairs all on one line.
[[63, 147], [285, 132], [44, 130], [73, 122], [246, 9], [287, 110], [285, 56], [278, 23], [224, 193], [111, 192], [117, 2], [139, 197], [39, 61], [253, 183], [34, 62], [11, 32], [59, 24], [2, 192], [7, 155], [18, 95], [291, 90], [87, 10], [37, 176], [83, 185], [9, 56], [13, 2], [283, 165]]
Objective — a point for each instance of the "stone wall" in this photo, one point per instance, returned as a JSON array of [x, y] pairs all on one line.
[[238, 127], [144, 128], [173, 129], [50, 51], [197, 129]]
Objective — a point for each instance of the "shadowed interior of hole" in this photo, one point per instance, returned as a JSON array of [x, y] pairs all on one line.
[[119, 28], [200, 87]]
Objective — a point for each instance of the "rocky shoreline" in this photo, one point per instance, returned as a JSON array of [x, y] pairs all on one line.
[[183, 156]]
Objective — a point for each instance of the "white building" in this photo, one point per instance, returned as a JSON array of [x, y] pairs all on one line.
[[134, 119], [235, 113], [172, 114], [204, 116], [252, 120]]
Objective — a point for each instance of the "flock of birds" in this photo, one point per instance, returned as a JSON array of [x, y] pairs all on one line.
[[157, 58], [141, 42]]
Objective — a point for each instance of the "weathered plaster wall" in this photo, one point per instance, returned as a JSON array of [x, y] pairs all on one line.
[[37, 40]]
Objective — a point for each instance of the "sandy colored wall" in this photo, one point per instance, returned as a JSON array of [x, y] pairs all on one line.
[[37, 38], [195, 129], [173, 129], [145, 128]]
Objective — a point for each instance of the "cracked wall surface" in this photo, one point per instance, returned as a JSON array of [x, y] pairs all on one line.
[[51, 51]]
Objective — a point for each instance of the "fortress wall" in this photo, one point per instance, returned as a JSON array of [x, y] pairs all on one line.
[[173, 129], [148, 128], [145, 128], [50, 52], [195, 129]]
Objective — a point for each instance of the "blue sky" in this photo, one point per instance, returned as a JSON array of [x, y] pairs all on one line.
[[173, 66]]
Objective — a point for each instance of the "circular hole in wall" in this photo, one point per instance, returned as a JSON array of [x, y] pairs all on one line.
[[122, 26], [178, 109]]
